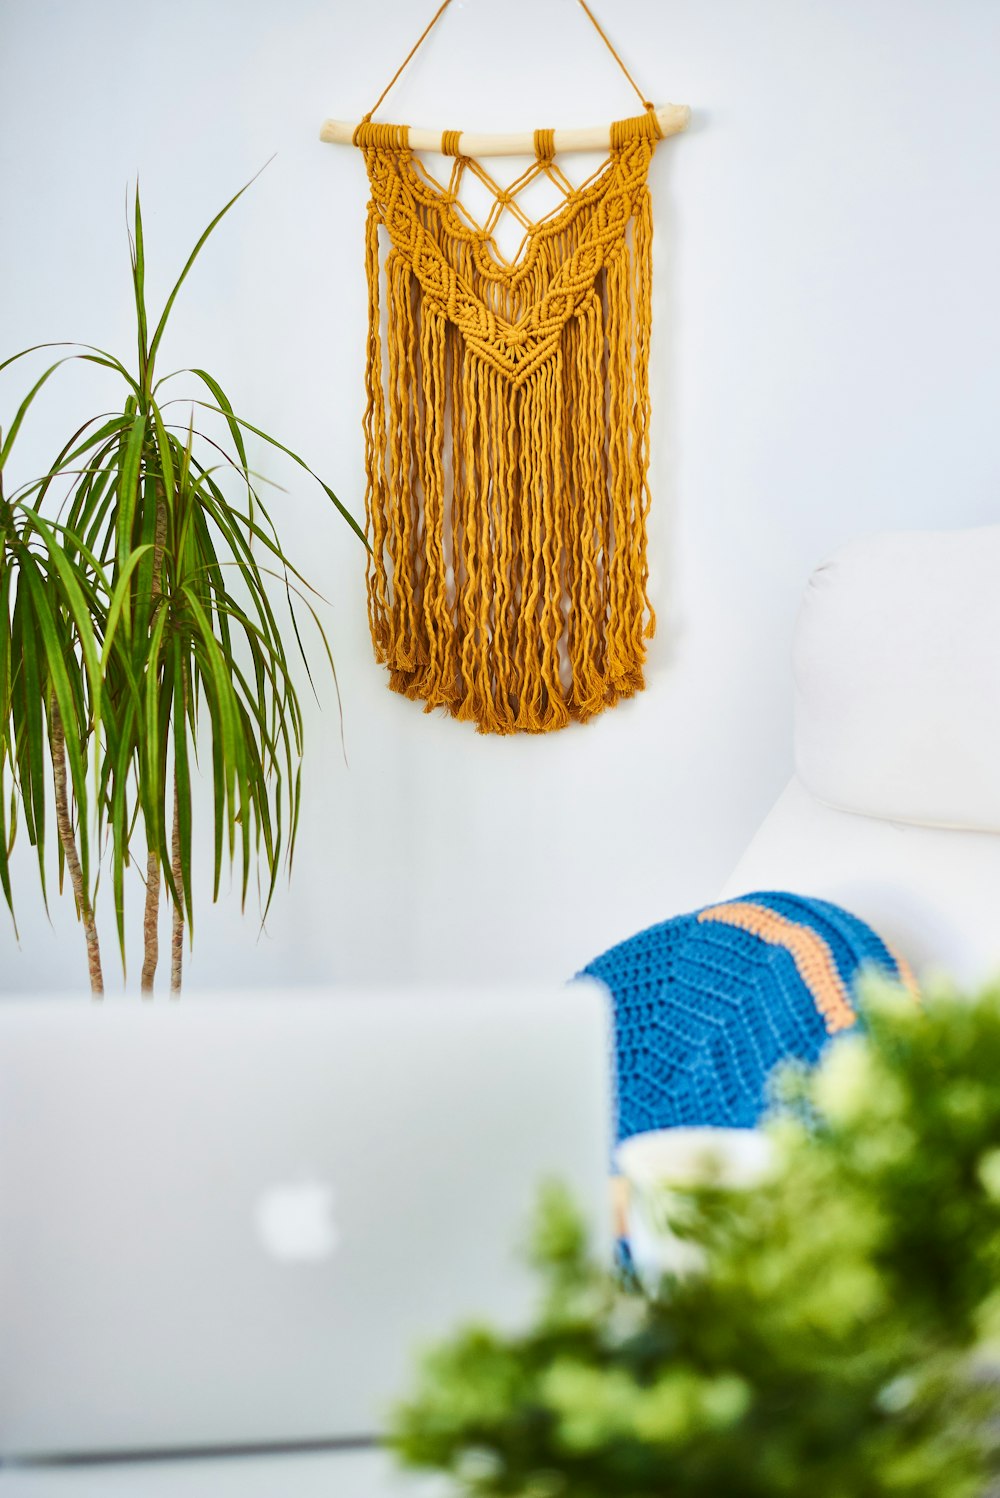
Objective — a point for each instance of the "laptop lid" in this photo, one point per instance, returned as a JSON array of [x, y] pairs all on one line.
[[228, 1224]]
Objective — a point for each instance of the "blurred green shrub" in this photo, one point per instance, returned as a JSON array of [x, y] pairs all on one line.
[[836, 1345]]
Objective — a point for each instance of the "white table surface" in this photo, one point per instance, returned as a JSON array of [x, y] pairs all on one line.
[[327, 1474]]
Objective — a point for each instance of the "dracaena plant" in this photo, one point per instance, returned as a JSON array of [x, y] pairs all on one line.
[[50, 687], [139, 634]]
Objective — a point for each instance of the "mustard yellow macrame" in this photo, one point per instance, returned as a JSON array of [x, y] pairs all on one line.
[[507, 441]]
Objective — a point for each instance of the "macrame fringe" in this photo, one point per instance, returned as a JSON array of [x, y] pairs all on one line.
[[506, 436]]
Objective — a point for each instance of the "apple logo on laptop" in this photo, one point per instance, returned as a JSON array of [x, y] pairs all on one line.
[[295, 1221]]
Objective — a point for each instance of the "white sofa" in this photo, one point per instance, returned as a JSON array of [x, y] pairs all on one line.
[[894, 808]]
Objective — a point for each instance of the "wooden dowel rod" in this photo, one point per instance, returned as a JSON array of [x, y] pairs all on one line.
[[672, 118]]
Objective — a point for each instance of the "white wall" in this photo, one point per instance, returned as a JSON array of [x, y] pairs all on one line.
[[826, 361]]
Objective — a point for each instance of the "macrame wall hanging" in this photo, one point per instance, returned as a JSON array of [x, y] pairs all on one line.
[[507, 421]]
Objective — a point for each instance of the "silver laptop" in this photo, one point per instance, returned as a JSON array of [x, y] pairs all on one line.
[[229, 1224]]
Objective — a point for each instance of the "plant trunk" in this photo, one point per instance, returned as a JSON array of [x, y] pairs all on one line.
[[64, 823], [151, 916], [151, 923], [177, 928]]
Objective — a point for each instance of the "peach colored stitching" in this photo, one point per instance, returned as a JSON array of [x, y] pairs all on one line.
[[810, 953]]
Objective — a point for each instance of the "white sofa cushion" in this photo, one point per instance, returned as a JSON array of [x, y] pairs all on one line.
[[931, 893], [897, 677]]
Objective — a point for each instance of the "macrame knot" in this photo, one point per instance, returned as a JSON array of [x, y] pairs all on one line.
[[449, 142], [636, 127], [381, 137], [653, 119], [545, 144]]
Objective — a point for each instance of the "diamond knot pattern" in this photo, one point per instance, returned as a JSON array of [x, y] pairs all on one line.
[[471, 189]]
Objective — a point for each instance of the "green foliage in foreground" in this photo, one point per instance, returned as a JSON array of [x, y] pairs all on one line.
[[837, 1343]]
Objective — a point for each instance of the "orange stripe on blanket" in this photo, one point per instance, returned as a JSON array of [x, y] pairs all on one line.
[[813, 959]]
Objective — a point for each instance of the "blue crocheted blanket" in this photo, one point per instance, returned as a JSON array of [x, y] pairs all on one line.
[[707, 1004]]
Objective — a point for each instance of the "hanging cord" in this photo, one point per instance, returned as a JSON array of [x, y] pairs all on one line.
[[440, 12], [604, 38], [435, 18]]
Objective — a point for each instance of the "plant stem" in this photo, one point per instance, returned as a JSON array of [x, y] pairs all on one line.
[[177, 928], [150, 923], [64, 823], [151, 916]]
